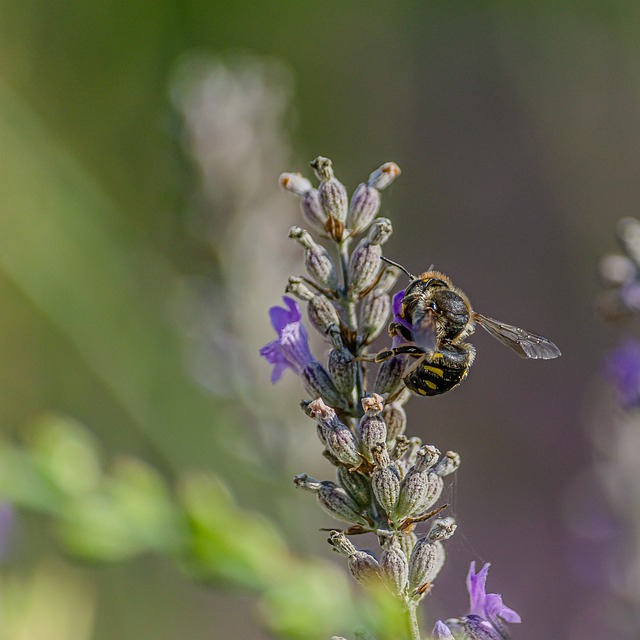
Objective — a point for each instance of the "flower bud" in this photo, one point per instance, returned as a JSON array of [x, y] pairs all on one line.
[[374, 315], [419, 486], [384, 175], [365, 265], [312, 210], [390, 375], [442, 529], [322, 314], [395, 567], [343, 368], [356, 485], [363, 566], [385, 480], [435, 485], [332, 498], [427, 558], [371, 428], [296, 183], [449, 463], [318, 383], [396, 419], [363, 208], [441, 632], [337, 436], [317, 260], [333, 195], [401, 446], [407, 542]]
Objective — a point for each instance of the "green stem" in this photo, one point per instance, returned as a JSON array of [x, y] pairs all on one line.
[[412, 620]]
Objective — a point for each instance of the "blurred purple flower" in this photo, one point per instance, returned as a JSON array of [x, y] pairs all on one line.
[[623, 367], [488, 606], [291, 349]]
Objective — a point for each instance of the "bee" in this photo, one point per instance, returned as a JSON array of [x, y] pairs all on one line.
[[435, 320]]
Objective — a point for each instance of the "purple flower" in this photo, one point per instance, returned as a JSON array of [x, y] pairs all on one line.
[[488, 606], [623, 366], [396, 307], [487, 613], [291, 349], [441, 631]]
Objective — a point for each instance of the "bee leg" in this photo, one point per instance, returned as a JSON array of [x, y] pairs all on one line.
[[403, 349], [397, 329]]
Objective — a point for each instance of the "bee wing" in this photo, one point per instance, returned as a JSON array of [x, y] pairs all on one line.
[[525, 344], [423, 331]]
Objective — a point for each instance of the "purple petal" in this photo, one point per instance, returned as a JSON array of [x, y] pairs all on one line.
[[273, 354], [441, 631], [281, 317], [294, 343], [495, 609], [476, 585], [396, 303]]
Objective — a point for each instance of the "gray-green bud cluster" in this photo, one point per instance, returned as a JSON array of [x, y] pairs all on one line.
[[386, 483]]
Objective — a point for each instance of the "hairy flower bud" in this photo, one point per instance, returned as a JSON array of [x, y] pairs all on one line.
[[385, 480], [318, 383], [442, 529], [425, 563], [317, 260], [374, 315], [337, 436], [363, 208], [365, 265], [420, 485], [407, 542], [396, 419], [362, 565], [312, 210], [333, 197], [390, 375], [449, 463], [356, 485], [343, 367], [384, 175], [395, 567], [371, 428], [332, 498], [322, 314]]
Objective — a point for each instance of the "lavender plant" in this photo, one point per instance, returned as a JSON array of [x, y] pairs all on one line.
[[386, 482]]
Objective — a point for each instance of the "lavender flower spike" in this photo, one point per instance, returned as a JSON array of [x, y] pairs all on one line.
[[291, 349], [488, 606]]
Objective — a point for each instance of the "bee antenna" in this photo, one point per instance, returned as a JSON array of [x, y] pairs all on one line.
[[395, 264]]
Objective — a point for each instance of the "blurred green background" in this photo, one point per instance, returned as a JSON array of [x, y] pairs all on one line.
[[141, 245]]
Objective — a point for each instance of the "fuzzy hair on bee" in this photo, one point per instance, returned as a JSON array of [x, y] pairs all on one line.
[[435, 320]]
